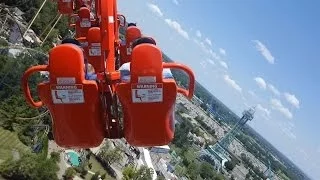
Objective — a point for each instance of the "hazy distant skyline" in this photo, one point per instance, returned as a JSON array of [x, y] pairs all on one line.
[[249, 53]]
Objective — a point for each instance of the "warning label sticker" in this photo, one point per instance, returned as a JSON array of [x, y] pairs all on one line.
[[95, 51], [146, 79], [129, 49], [67, 94], [85, 22], [66, 80], [147, 93]]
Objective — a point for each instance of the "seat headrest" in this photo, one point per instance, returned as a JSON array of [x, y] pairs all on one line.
[[84, 12], [94, 34], [146, 61], [132, 33], [66, 60]]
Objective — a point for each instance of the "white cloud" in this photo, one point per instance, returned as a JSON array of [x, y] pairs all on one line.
[[224, 64], [264, 110], [214, 55], [175, 2], [289, 133], [273, 89], [155, 9], [287, 129], [232, 83], [202, 46], [246, 104], [264, 51], [198, 34], [291, 98], [252, 94], [210, 61], [203, 64], [208, 41], [206, 49], [176, 26], [222, 51], [265, 113], [305, 154], [244, 99], [277, 105], [260, 82]]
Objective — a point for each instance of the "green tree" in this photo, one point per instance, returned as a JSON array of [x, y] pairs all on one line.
[[207, 171], [229, 165], [204, 106], [219, 177], [109, 155], [96, 176], [193, 170], [55, 156], [103, 176], [144, 173], [129, 172], [29, 166], [132, 173], [180, 171], [161, 177], [188, 157], [248, 176], [69, 173], [82, 169]]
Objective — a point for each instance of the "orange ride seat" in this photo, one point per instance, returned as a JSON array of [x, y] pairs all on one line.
[[132, 33], [65, 6], [83, 22], [93, 51], [148, 100], [73, 102]]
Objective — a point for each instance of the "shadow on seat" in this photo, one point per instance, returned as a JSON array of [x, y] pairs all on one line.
[[148, 100], [73, 102]]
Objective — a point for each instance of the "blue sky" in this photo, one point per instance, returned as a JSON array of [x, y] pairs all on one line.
[[247, 53]]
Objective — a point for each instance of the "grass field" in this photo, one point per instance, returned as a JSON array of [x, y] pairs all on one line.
[[9, 142]]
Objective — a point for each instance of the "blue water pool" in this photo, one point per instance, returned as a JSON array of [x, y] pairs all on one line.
[[73, 158]]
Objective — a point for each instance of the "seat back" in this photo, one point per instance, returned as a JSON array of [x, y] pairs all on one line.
[[94, 49], [148, 100], [73, 102], [132, 33], [83, 22], [65, 6], [80, 3]]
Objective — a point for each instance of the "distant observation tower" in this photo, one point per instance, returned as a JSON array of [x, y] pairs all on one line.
[[219, 151]]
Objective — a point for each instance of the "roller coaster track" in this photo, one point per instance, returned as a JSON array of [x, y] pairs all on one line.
[[26, 118], [23, 48], [35, 117]]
